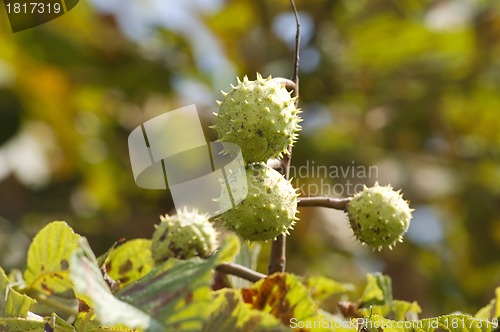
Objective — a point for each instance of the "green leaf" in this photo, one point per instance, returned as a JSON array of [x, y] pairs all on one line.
[[36, 324], [12, 303], [21, 325], [453, 322], [321, 288], [176, 293], [228, 249], [378, 290], [402, 310], [377, 299], [230, 313], [492, 310], [85, 322], [248, 257], [327, 322], [58, 324], [399, 310], [93, 290], [130, 261], [284, 296], [101, 260], [48, 259]]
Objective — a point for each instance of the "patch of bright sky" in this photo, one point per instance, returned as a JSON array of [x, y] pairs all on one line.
[[284, 28], [450, 15], [138, 19], [426, 228], [315, 116], [24, 155]]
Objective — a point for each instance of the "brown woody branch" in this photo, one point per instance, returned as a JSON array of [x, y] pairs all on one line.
[[277, 259], [240, 271], [324, 201]]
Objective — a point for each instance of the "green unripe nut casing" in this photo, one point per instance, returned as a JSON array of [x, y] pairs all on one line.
[[260, 117], [184, 235], [269, 208], [379, 216]]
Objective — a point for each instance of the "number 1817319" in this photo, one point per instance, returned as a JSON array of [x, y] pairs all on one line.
[[33, 8]]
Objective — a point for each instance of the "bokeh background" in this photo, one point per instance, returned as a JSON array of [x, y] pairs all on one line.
[[407, 89]]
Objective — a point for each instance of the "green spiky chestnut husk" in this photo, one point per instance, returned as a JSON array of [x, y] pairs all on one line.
[[379, 216], [260, 117], [184, 235], [269, 208]]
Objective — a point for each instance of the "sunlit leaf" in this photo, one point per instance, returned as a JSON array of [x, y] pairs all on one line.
[[57, 324], [454, 323], [230, 313], [35, 324], [12, 303], [175, 294], [93, 290], [327, 322], [247, 256], [130, 261], [48, 259], [399, 310], [85, 322], [378, 290], [402, 310], [282, 295], [377, 299], [321, 288], [492, 310], [228, 249], [21, 325]]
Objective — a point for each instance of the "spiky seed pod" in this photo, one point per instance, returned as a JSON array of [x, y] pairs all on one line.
[[260, 117], [379, 216], [269, 208], [184, 235]]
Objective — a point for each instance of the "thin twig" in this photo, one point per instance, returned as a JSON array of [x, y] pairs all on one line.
[[295, 76], [240, 271], [277, 260], [324, 201]]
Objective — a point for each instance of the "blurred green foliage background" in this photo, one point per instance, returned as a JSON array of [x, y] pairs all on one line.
[[407, 89]]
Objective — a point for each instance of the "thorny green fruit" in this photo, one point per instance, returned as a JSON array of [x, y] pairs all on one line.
[[269, 208], [184, 235], [379, 216], [260, 117]]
